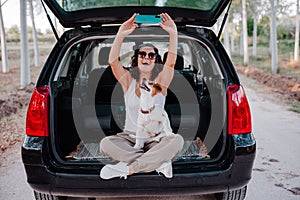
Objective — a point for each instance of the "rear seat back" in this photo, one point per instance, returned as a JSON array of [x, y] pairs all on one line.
[[181, 111], [110, 112]]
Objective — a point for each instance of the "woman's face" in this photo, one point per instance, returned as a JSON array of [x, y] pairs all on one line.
[[146, 59]]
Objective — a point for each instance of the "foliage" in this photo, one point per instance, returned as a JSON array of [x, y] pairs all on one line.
[[285, 45], [250, 25], [286, 28], [263, 27], [283, 33], [294, 106], [13, 34], [13, 30], [261, 9]]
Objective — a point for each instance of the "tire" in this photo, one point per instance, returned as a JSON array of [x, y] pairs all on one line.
[[238, 194], [43, 196]]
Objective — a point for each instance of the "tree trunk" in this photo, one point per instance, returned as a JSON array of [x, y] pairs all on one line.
[[226, 37], [34, 35], [241, 42], [254, 53], [273, 38], [245, 33], [4, 58], [296, 50], [271, 32], [25, 67], [232, 37]]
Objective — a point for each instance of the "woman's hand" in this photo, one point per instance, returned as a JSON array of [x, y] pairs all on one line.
[[168, 24], [128, 26]]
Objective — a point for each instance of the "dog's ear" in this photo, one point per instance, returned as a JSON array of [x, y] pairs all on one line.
[[156, 89]]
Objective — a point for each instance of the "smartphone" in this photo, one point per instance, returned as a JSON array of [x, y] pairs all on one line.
[[147, 19]]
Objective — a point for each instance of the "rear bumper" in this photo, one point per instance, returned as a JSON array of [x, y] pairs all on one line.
[[41, 178]]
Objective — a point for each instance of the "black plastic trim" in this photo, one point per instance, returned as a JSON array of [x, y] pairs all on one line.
[[110, 15]]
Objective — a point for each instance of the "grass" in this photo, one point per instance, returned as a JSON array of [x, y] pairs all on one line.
[[294, 106], [263, 60]]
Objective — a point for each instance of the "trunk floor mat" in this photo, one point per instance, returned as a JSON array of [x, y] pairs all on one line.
[[91, 151]]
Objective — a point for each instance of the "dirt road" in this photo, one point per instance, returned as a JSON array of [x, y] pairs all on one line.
[[276, 174]]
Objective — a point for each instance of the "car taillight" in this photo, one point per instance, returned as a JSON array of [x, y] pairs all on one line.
[[37, 113], [239, 115]]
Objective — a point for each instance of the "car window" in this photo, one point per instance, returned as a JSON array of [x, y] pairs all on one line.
[[71, 58], [72, 5]]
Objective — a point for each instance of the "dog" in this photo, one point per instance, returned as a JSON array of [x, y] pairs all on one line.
[[153, 121]]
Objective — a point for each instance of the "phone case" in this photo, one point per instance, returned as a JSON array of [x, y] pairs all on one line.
[[147, 19]]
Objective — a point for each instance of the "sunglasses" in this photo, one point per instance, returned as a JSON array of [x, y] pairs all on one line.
[[143, 54]]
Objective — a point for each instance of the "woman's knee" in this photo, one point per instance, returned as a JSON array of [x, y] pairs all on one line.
[[179, 141], [175, 141], [105, 144]]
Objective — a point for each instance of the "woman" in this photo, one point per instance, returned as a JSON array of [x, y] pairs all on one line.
[[145, 63]]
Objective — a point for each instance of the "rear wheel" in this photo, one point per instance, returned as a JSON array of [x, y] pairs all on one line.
[[43, 196], [238, 194]]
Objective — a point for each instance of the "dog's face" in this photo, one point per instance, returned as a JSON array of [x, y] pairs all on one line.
[[149, 87]]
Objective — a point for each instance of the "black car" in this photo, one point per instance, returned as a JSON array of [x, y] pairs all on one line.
[[77, 101]]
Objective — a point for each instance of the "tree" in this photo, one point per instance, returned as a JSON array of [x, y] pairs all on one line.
[[241, 39], [245, 33], [273, 37], [232, 37], [34, 36], [13, 31], [25, 67], [4, 57], [296, 49], [226, 37], [254, 51], [234, 18], [255, 8]]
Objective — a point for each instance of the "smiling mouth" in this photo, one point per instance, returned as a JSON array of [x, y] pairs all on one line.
[[144, 86]]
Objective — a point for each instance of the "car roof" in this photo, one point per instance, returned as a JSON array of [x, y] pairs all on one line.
[[74, 13]]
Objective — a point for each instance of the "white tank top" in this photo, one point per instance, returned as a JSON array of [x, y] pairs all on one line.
[[132, 105]]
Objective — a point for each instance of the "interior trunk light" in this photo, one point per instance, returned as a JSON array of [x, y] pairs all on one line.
[[239, 115], [37, 113]]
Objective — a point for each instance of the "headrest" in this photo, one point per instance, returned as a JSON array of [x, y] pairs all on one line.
[[103, 55], [179, 61]]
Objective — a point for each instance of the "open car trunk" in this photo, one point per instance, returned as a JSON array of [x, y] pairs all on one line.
[[73, 13], [88, 102]]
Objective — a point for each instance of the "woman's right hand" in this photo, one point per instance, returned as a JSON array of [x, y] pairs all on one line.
[[128, 26]]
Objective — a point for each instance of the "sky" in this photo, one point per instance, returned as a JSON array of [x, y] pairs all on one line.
[[11, 16]]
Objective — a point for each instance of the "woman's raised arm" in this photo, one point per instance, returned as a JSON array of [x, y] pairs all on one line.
[[122, 75], [166, 75]]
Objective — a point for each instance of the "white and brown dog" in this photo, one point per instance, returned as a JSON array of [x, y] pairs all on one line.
[[153, 121]]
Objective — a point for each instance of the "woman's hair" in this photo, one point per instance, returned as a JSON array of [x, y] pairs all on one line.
[[134, 62]]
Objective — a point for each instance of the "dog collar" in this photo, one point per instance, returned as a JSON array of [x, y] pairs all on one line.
[[147, 111]]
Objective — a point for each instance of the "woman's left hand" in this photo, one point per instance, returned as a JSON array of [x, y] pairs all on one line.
[[168, 24]]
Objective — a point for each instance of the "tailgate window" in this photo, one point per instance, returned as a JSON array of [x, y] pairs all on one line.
[[73, 5]]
